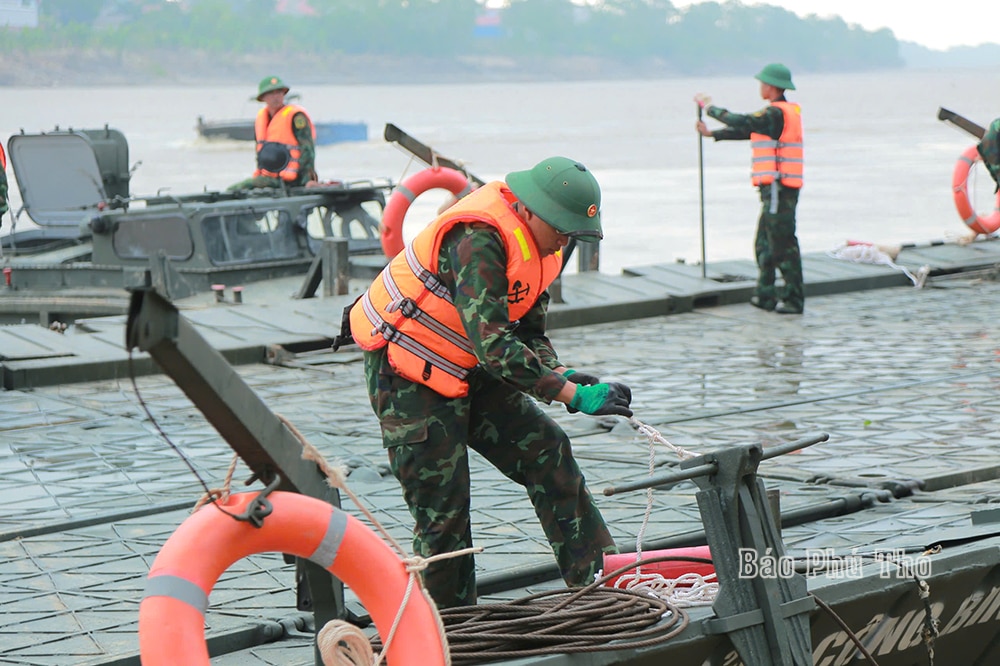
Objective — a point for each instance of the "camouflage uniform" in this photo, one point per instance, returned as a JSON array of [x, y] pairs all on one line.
[[775, 244], [307, 160], [3, 195], [427, 436], [989, 150], [3, 187]]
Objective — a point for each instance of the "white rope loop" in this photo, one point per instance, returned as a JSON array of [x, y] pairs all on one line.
[[687, 590], [654, 437]]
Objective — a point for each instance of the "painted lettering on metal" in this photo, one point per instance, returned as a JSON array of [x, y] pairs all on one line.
[[885, 633]]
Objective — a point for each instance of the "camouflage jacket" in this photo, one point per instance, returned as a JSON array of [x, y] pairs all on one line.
[[989, 150], [769, 120], [302, 129], [3, 193], [473, 265]]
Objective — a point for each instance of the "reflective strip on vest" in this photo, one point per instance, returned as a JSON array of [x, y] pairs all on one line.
[[392, 334], [779, 159], [430, 280], [409, 308]]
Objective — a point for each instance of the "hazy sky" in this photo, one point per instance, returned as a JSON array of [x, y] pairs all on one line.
[[952, 23]]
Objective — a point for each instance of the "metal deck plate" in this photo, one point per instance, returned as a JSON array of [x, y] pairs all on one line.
[[903, 380]]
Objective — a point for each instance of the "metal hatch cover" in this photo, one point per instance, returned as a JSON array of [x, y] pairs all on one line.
[[58, 177]]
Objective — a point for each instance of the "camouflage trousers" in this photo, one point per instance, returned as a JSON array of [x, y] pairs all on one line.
[[428, 437], [777, 249]]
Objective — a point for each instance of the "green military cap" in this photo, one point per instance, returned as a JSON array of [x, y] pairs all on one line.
[[776, 75], [269, 84], [562, 192]]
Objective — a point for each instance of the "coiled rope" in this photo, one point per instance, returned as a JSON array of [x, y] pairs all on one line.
[[564, 621]]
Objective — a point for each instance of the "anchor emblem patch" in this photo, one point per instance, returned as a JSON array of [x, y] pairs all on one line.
[[518, 292]]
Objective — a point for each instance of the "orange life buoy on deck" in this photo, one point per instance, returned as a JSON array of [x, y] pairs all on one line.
[[404, 194], [959, 185], [669, 569], [171, 614]]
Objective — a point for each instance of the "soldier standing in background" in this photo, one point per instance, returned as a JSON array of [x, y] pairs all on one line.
[[455, 343], [775, 135], [4, 206], [989, 150], [285, 139]]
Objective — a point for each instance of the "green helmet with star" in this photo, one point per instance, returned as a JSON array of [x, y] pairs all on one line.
[[562, 192], [270, 84]]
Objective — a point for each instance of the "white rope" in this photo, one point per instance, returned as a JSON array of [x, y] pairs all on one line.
[[654, 437], [340, 643], [641, 536], [864, 253], [687, 590]]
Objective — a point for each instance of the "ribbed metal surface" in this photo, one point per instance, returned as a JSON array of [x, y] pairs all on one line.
[[903, 380]]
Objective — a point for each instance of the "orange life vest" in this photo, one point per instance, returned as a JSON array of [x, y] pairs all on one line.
[[278, 130], [408, 308], [3, 158], [781, 158]]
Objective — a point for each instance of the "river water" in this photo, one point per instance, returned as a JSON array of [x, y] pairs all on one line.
[[878, 162]]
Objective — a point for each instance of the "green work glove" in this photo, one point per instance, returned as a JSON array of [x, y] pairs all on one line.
[[581, 377], [602, 399]]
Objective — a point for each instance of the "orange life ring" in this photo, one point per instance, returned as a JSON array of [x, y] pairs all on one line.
[[404, 194], [171, 614], [669, 569], [959, 185]]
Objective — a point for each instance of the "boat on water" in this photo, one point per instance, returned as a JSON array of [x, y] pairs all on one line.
[[327, 133], [843, 479], [94, 237]]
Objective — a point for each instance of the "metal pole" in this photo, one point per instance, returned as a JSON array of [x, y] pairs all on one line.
[[707, 468], [701, 189]]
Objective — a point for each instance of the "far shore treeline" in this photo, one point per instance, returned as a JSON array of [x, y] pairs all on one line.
[[647, 37]]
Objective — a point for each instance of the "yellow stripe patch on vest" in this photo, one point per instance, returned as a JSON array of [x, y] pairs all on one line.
[[525, 249]]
